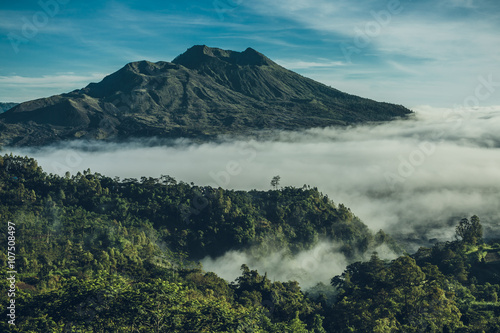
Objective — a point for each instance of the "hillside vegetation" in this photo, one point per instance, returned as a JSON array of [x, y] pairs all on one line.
[[97, 254]]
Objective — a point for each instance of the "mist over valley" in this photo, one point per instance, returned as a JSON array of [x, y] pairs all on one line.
[[412, 178], [152, 183]]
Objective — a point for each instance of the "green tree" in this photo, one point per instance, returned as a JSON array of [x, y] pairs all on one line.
[[275, 182], [471, 231]]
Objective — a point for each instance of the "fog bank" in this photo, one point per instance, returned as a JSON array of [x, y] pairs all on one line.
[[308, 267], [415, 178]]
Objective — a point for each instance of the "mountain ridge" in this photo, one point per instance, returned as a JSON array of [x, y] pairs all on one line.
[[4, 106], [202, 93]]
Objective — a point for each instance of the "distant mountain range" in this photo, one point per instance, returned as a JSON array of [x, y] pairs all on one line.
[[6, 106], [202, 93]]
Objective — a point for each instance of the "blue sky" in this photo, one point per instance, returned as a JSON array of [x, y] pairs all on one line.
[[440, 53]]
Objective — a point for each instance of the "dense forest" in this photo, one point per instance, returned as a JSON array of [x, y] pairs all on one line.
[[101, 254]]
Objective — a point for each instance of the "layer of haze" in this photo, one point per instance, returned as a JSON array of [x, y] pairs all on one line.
[[308, 267], [414, 178]]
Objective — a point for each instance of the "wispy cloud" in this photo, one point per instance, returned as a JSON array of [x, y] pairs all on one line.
[[262, 37], [151, 22], [461, 3], [426, 40], [22, 88], [299, 64], [53, 81], [403, 68], [408, 30], [15, 21], [425, 46]]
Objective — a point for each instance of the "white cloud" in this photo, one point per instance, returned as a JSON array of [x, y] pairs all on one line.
[[35, 22], [436, 49], [299, 64], [461, 3], [407, 30], [23, 88], [63, 81], [308, 267], [407, 177], [150, 23]]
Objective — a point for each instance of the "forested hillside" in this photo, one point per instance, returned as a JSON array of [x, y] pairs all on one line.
[[99, 254]]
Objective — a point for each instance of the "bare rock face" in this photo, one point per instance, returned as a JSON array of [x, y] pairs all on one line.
[[202, 93]]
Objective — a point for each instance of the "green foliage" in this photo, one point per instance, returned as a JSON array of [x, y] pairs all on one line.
[[193, 220], [96, 254], [471, 231], [275, 182], [435, 290], [284, 300]]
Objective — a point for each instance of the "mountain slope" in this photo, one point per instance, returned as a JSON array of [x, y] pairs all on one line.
[[6, 106], [200, 94]]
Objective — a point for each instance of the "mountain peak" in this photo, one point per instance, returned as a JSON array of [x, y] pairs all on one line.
[[200, 55], [205, 92]]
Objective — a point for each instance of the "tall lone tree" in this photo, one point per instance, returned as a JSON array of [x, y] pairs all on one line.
[[470, 231], [275, 181]]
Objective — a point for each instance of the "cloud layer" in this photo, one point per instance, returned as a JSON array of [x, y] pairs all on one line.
[[415, 179], [309, 267]]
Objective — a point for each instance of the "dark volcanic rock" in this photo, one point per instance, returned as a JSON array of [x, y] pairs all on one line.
[[200, 94]]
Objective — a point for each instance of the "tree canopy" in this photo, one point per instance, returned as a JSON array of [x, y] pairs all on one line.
[[100, 254]]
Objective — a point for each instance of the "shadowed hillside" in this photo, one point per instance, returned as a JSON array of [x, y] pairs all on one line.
[[202, 93]]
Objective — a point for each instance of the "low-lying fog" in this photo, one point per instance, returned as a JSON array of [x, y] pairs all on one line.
[[414, 178]]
